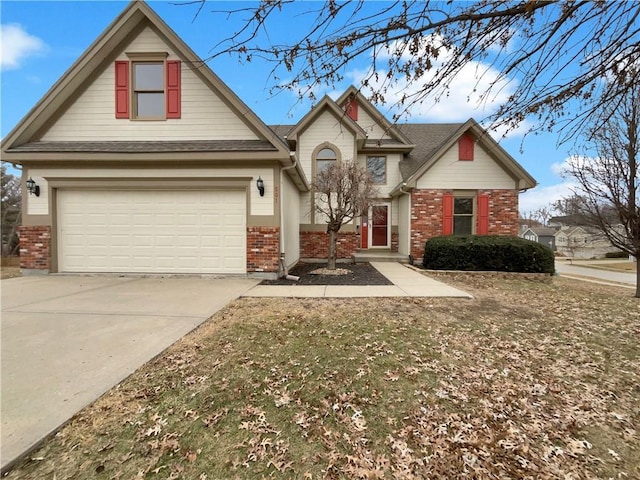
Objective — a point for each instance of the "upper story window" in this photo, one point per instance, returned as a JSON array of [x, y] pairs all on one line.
[[148, 90], [377, 168], [148, 87], [324, 159]]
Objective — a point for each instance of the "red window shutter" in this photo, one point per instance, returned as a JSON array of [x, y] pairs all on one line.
[[351, 107], [174, 108], [122, 89], [465, 147], [483, 215], [447, 214]]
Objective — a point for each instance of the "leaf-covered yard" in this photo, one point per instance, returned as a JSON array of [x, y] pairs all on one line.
[[528, 380]]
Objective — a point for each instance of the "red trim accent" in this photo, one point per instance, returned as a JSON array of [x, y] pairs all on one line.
[[465, 147], [447, 214], [483, 215], [122, 89], [351, 107], [174, 104]]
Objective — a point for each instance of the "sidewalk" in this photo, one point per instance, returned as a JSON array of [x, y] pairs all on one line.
[[406, 283], [583, 272]]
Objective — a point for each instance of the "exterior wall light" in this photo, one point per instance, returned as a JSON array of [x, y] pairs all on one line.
[[260, 185], [32, 188]]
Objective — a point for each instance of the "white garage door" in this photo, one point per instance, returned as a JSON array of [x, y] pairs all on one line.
[[151, 231]]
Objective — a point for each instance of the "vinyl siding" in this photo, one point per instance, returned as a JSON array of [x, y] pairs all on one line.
[[404, 212], [92, 116], [481, 173], [257, 205], [37, 205], [370, 126], [290, 221]]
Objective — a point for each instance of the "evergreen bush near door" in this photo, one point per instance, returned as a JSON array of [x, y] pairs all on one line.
[[487, 253]]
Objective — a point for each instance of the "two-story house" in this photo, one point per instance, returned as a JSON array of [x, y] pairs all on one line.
[[140, 159]]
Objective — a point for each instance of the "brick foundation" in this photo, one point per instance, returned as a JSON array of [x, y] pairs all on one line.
[[316, 244], [263, 249], [426, 215], [35, 247]]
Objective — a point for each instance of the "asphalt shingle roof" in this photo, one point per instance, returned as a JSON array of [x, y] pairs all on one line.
[[148, 147]]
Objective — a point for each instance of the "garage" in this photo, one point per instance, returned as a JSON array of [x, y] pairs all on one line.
[[151, 231]]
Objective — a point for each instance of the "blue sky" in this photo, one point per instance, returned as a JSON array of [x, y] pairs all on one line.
[[40, 40]]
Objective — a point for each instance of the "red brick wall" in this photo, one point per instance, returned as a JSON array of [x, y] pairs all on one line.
[[316, 244], [35, 247], [263, 249], [426, 215], [503, 211]]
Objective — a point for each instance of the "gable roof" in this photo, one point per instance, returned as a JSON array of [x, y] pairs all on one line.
[[326, 104], [374, 113], [101, 52], [428, 151]]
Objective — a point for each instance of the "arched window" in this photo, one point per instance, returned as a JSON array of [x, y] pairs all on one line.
[[324, 159]]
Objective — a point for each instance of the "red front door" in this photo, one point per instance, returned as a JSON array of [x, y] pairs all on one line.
[[379, 226]]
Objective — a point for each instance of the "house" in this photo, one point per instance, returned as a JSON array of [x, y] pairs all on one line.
[[140, 159], [583, 242], [543, 235]]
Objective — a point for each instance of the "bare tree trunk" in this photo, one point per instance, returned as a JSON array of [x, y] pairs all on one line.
[[331, 260], [637, 278]]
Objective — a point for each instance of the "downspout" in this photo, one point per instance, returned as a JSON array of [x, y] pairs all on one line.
[[284, 270], [402, 191]]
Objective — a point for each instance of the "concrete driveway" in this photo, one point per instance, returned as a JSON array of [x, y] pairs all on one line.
[[68, 339]]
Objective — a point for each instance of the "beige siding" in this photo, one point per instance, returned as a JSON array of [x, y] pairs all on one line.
[[204, 116], [370, 126], [290, 221], [258, 205], [38, 205], [404, 212], [325, 128], [482, 173]]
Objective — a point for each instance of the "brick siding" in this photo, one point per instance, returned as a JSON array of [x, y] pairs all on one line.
[[316, 244], [426, 215], [35, 247], [263, 249]]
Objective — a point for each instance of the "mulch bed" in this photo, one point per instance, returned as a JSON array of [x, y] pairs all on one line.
[[359, 274]]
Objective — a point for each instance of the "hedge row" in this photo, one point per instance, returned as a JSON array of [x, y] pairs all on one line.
[[487, 253]]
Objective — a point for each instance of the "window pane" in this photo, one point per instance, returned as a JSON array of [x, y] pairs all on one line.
[[322, 165], [326, 153], [377, 168], [148, 76], [150, 105], [463, 206], [462, 225]]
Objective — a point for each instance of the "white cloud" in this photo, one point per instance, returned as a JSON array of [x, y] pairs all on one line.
[[502, 133], [16, 45], [464, 98], [538, 197]]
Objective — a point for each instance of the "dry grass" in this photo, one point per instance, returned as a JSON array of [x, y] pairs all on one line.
[[528, 380], [9, 272]]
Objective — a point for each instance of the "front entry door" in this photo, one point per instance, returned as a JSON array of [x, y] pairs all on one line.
[[379, 225]]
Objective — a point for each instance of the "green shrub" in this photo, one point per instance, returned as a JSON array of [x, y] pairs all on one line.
[[487, 253], [619, 254]]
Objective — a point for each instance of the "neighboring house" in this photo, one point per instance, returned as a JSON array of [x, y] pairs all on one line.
[[582, 242], [542, 235], [147, 162]]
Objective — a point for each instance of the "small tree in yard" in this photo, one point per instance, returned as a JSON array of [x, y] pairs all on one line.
[[341, 192], [609, 183], [11, 212]]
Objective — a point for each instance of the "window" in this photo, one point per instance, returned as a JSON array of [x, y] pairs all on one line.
[[148, 90], [324, 159], [463, 215], [377, 168], [148, 87], [466, 214]]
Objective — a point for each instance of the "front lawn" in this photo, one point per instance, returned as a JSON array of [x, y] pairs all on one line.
[[527, 380]]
